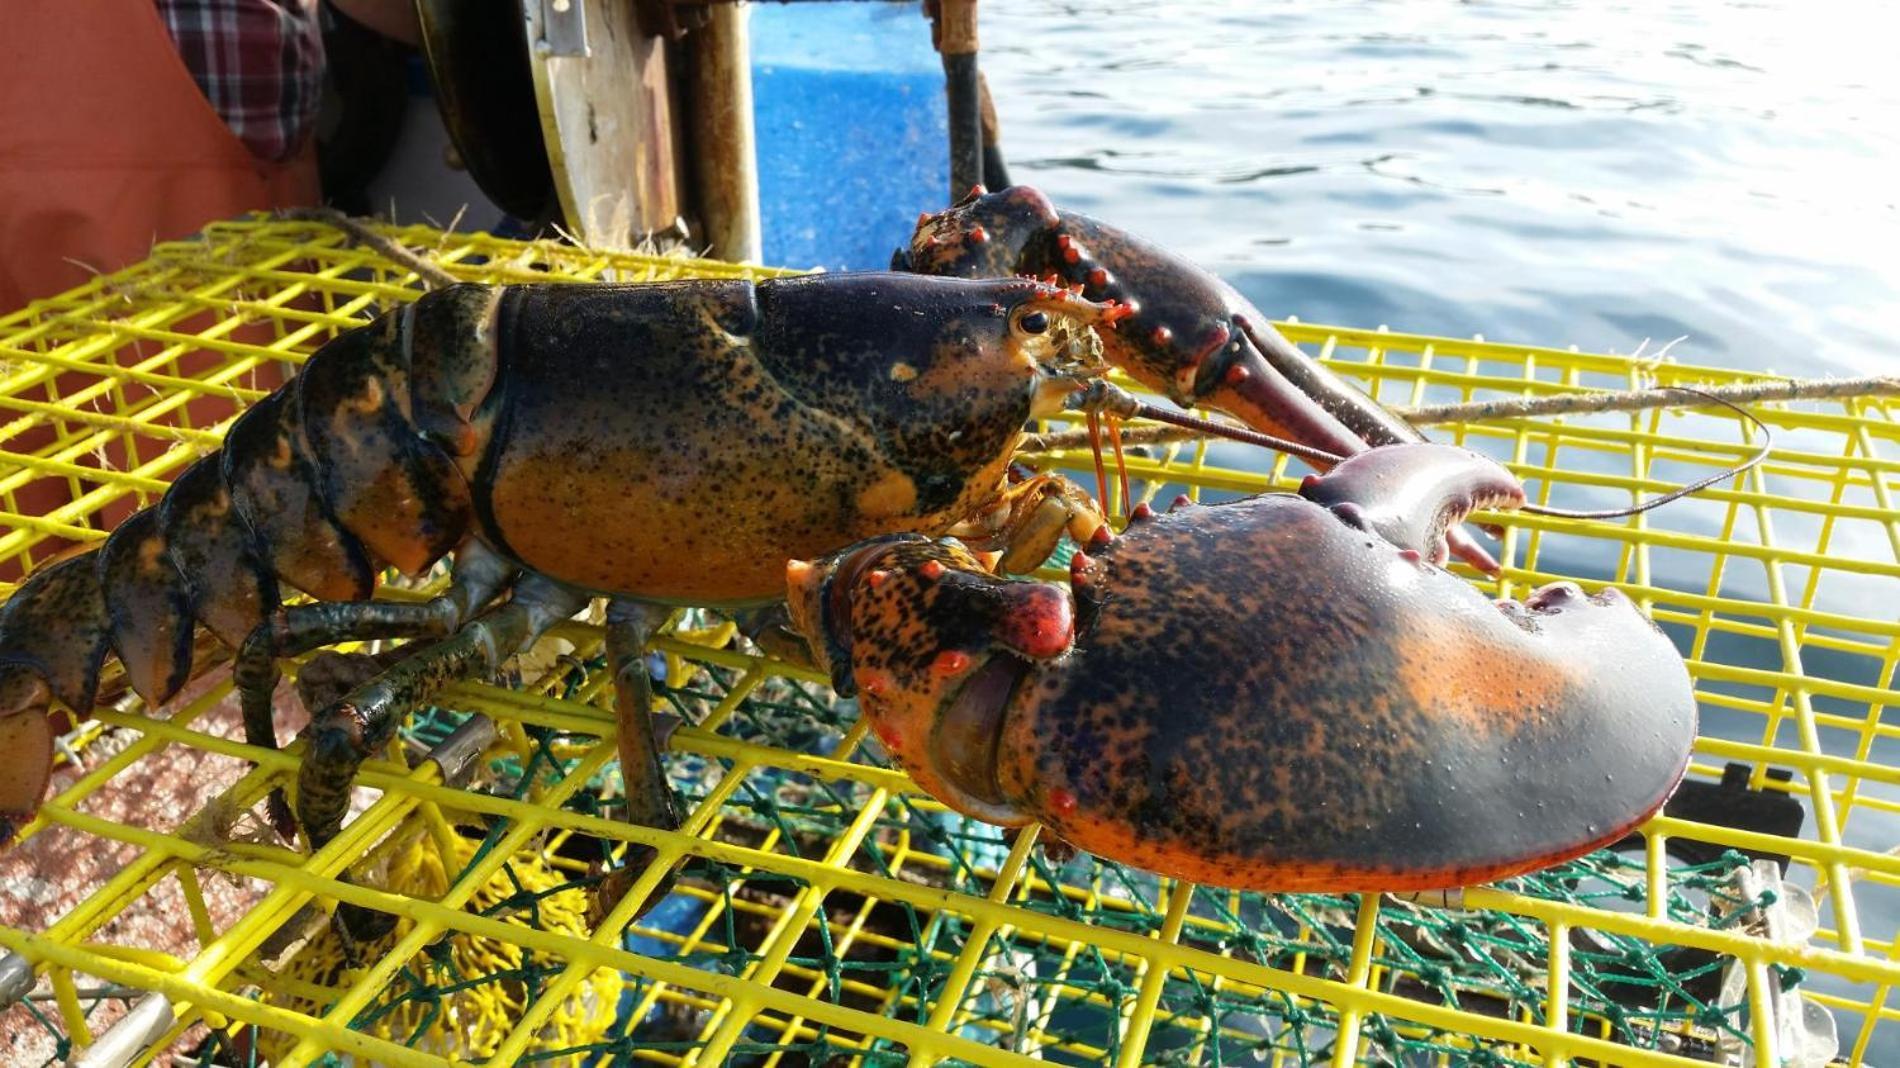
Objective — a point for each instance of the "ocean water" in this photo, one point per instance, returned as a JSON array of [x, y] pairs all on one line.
[[1718, 177], [1552, 172]]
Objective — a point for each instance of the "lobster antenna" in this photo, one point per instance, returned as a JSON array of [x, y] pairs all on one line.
[[1121, 463], [1101, 396], [1767, 443], [1095, 449]]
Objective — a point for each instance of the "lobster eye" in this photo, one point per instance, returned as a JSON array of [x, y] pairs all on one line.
[[1034, 322]]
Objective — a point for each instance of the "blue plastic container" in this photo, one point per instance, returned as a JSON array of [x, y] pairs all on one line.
[[851, 124]]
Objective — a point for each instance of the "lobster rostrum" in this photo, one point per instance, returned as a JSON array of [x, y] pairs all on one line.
[[1185, 333], [653, 444], [1361, 721]]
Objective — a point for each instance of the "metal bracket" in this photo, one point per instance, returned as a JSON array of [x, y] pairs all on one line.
[[16, 979], [563, 28], [1804, 1032], [128, 1039], [457, 754]]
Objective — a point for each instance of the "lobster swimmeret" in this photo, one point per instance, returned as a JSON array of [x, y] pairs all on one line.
[[1186, 334], [654, 444], [1339, 714]]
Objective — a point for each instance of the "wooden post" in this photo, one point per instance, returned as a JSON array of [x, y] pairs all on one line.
[[956, 41], [609, 125], [995, 171], [725, 153]]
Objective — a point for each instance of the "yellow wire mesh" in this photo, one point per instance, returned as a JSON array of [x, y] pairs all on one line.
[[1780, 584]]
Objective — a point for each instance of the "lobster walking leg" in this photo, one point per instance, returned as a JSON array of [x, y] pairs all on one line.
[[650, 801], [293, 631], [1030, 518], [770, 628], [329, 676], [347, 732]]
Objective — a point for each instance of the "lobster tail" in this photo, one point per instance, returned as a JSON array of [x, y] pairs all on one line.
[[149, 607], [56, 625], [53, 637], [318, 484], [389, 484], [187, 560], [26, 736], [230, 589], [272, 480]]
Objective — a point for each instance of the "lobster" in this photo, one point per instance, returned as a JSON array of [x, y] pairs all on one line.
[[765, 422], [654, 444], [1186, 334], [1358, 719]]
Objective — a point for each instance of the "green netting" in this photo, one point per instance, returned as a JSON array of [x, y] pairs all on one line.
[[1034, 992]]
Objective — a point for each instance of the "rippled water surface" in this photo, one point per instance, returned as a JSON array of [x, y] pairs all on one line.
[[1591, 173]]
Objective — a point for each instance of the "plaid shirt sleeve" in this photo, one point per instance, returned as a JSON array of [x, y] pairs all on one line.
[[260, 64]]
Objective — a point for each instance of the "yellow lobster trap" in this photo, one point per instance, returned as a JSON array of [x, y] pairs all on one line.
[[829, 914]]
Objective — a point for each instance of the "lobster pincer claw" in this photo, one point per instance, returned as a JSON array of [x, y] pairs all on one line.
[[934, 645], [1177, 328], [1213, 670], [1413, 495]]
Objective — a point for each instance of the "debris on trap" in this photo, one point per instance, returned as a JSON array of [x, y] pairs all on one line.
[[460, 997]]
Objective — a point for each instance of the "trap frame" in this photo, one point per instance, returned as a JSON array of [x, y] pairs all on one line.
[[827, 912]]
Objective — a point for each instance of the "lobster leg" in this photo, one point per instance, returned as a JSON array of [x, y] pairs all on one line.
[[1029, 518], [650, 800], [293, 631], [770, 628], [329, 676], [347, 732]]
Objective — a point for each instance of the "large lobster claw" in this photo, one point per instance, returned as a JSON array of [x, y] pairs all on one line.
[[1182, 331], [1278, 693], [1414, 496]]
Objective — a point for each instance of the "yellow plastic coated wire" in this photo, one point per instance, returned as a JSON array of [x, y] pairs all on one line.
[[1781, 583]]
